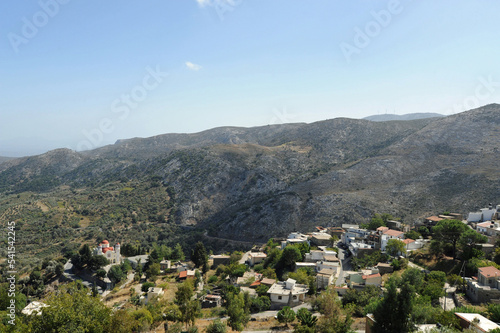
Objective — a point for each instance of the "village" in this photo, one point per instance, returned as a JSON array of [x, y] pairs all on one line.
[[291, 272]]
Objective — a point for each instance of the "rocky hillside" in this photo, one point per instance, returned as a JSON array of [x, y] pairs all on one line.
[[255, 183]]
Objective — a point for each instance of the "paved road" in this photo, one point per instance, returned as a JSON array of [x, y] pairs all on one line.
[[447, 302], [68, 272], [346, 266]]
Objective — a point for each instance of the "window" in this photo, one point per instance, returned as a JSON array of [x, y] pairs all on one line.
[[279, 297], [294, 297]]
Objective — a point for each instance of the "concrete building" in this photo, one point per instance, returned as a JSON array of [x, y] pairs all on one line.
[[211, 301], [486, 287], [137, 260], [475, 322], [153, 293], [221, 260], [321, 239], [255, 258], [165, 265], [287, 293], [325, 278], [484, 214]]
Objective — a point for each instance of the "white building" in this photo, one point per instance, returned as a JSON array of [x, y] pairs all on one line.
[[154, 293], [109, 252], [255, 258], [287, 293], [390, 234], [484, 214]]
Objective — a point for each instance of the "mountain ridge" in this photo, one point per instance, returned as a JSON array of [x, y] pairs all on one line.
[[255, 183], [408, 116]]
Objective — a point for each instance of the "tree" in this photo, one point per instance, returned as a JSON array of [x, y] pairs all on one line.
[[259, 304], [392, 314], [116, 274], [471, 238], [189, 308], [178, 253], [286, 315], [199, 255], [290, 256], [97, 262], [494, 312], [85, 254], [216, 326], [334, 319], [306, 318], [375, 223], [237, 311], [153, 271], [122, 322], [395, 246], [146, 285], [414, 277], [449, 231], [412, 234], [72, 309]]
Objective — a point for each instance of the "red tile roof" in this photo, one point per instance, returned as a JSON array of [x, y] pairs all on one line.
[[106, 249], [434, 218], [104, 242], [489, 271], [255, 284], [183, 275], [364, 277], [408, 241], [393, 233]]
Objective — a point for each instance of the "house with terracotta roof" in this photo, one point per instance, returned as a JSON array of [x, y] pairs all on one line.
[[390, 234], [109, 252], [432, 220], [364, 278], [187, 274], [486, 287]]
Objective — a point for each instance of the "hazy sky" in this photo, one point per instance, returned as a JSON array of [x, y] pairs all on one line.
[[82, 74]]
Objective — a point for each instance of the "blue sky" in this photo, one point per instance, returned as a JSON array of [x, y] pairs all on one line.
[[82, 74]]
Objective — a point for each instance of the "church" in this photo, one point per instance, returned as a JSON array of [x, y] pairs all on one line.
[[111, 253]]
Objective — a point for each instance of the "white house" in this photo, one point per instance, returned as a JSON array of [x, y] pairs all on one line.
[[332, 265], [287, 293], [295, 238], [390, 234], [484, 214], [154, 293], [255, 258]]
